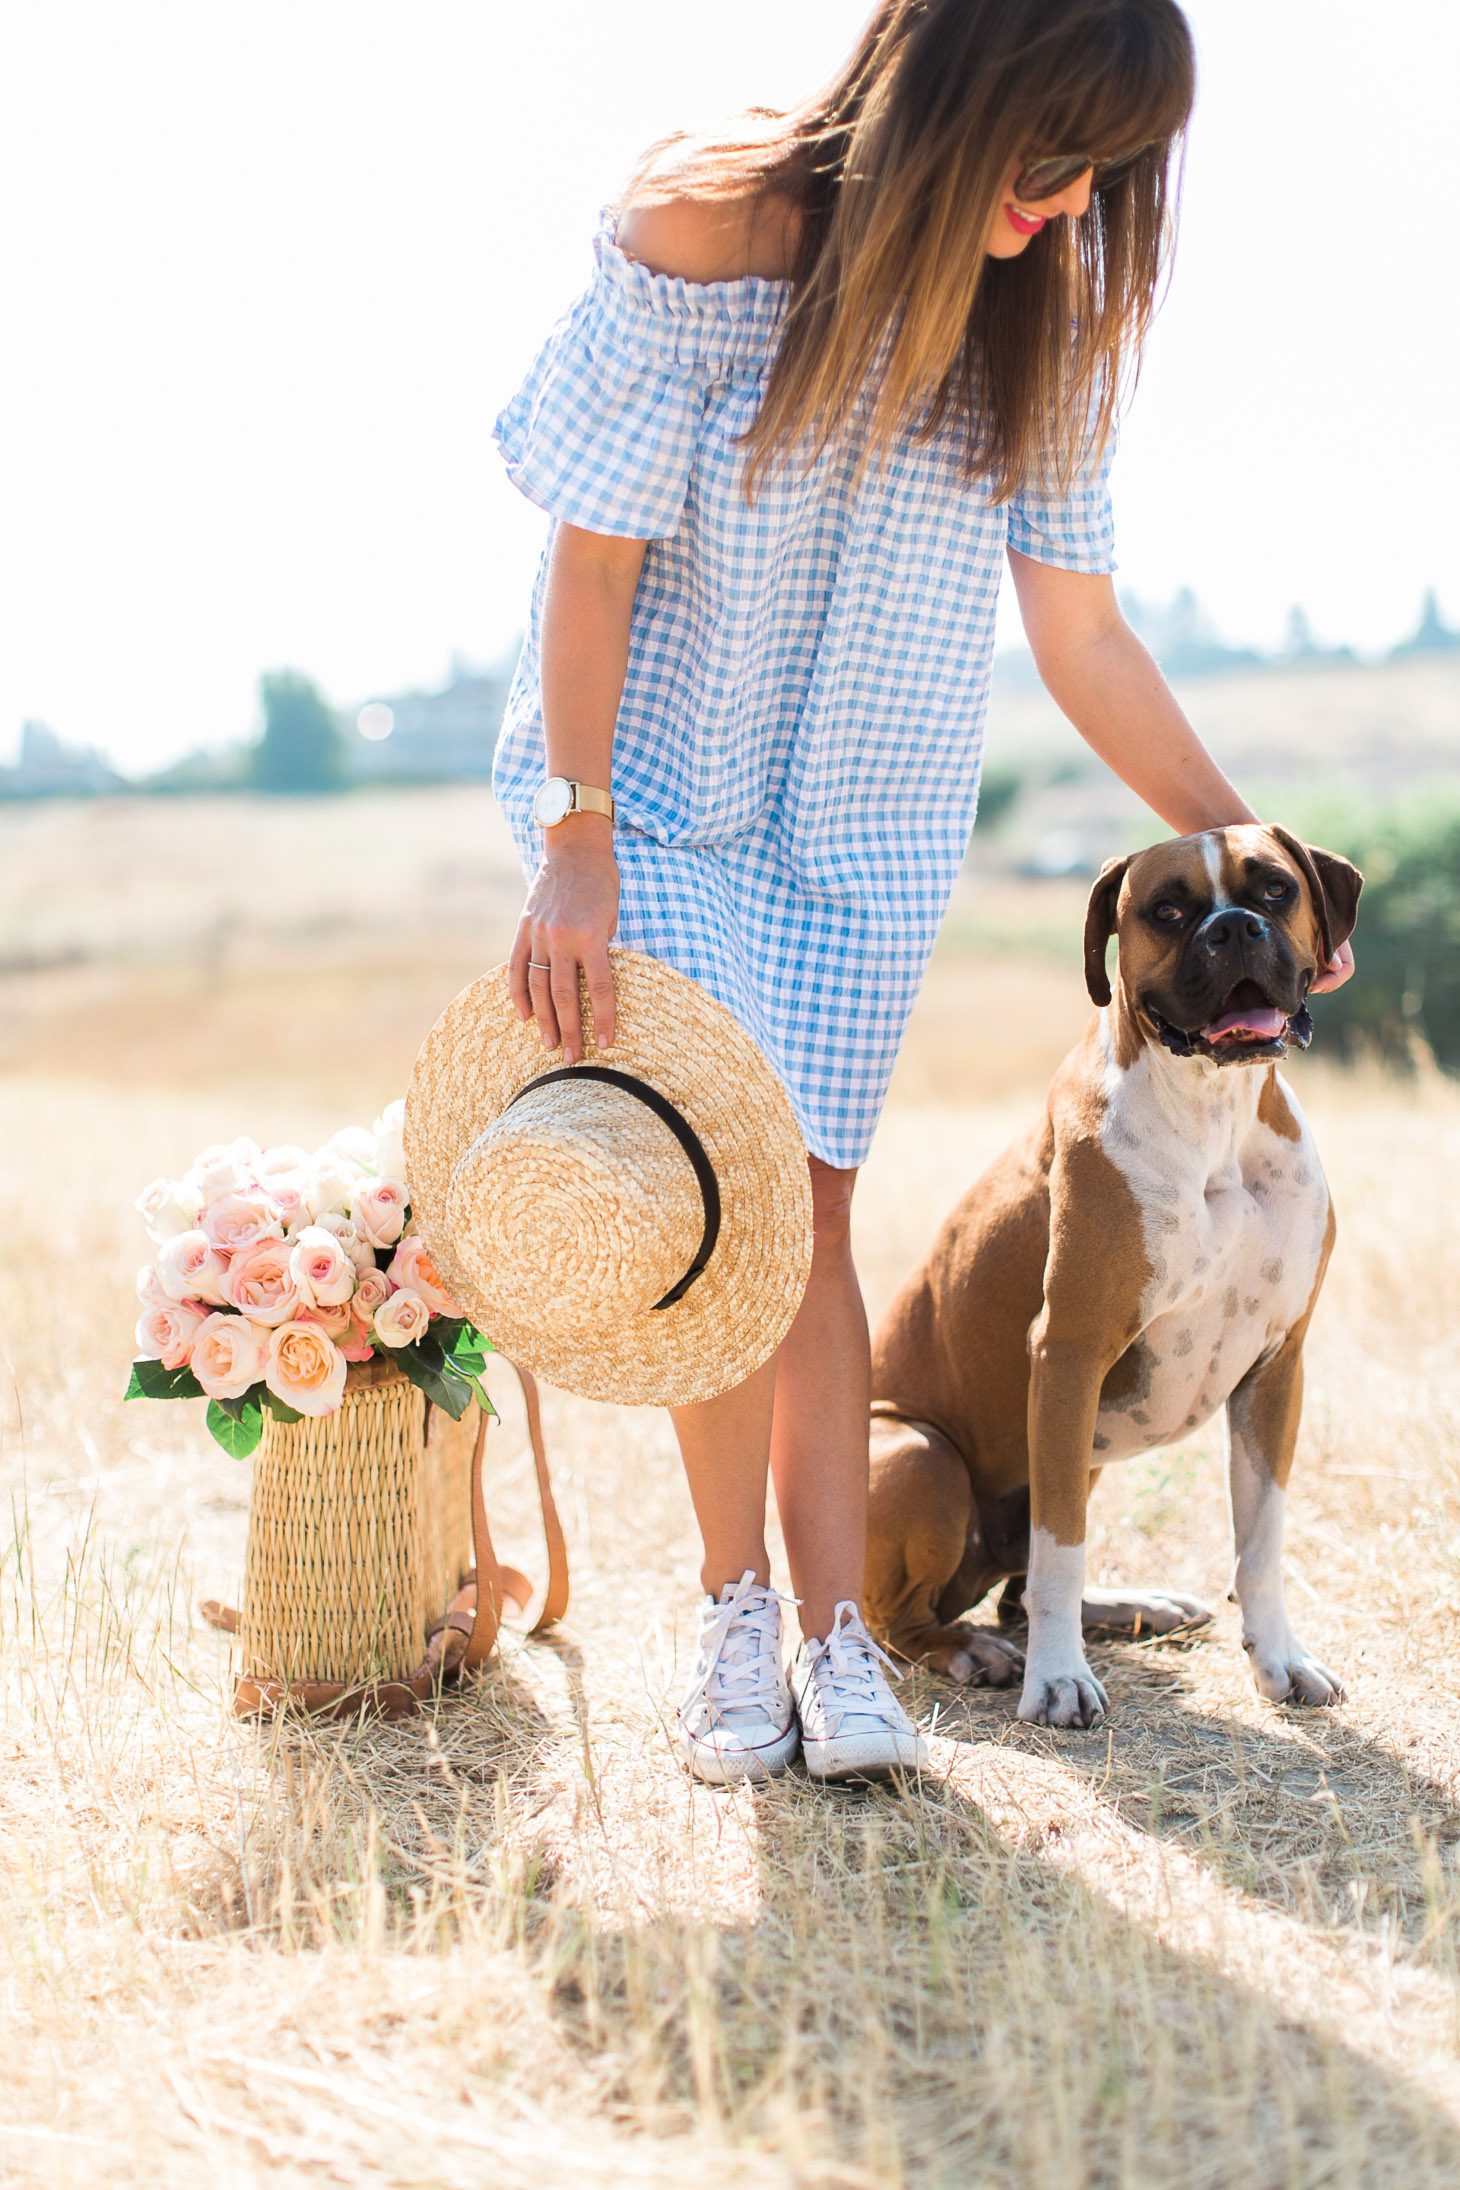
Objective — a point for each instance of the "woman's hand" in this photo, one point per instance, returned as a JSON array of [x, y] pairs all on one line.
[[1338, 970], [571, 911]]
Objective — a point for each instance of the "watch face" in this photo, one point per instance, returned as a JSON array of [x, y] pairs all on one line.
[[553, 800]]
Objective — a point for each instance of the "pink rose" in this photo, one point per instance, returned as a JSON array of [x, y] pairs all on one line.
[[334, 1317], [260, 1284], [374, 1288], [411, 1266], [305, 1368], [347, 1232], [238, 1221], [402, 1319], [229, 1354], [149, 1287], [287, 1191], [380, 1211], [188, 1268], [320, 1267], [167, 1330]]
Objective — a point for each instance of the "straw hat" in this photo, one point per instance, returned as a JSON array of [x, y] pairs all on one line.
[[566, 1207]]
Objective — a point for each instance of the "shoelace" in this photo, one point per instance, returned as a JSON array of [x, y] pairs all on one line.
[[849, 1660], [738, 1658]]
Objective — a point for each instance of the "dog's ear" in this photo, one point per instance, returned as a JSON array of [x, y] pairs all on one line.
[[1335, 883], [1100, 926]]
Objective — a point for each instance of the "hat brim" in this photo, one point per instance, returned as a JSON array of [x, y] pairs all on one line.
[[671, 1032]]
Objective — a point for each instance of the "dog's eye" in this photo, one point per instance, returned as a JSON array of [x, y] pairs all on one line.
[[1166, 912], [1276, 890]]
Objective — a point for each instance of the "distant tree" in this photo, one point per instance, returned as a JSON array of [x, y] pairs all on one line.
[[1406, 990], [302, 748], [1299, 643], [1434, 635]]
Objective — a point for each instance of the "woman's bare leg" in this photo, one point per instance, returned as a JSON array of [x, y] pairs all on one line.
[[819, 1428], [805, 1413], [725, 1444]]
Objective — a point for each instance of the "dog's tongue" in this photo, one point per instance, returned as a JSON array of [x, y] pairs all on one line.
[[1263, 1023]]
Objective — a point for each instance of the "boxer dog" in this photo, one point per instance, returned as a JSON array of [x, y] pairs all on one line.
[[1149, 1253]]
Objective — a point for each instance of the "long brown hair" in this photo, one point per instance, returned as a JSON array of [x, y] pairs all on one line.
[[898, 168]]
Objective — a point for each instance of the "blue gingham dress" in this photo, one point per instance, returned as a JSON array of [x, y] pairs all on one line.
[[796, 757]]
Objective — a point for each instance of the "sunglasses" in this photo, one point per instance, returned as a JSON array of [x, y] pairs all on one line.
[[1046, 178]]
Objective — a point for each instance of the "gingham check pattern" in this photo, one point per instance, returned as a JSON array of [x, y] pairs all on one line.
[[797, 753]]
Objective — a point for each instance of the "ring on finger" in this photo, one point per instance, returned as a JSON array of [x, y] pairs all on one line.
[[538, 967]]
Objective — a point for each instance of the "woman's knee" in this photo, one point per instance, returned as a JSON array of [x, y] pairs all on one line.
[[831, 1201]]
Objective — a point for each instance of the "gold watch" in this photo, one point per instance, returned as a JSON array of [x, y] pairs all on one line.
[[564, 795]]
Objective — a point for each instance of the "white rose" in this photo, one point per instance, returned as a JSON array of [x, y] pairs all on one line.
[[332, 1184], [402, 1319], [225, 1168], [167, 1208], [347, 1232], [320, 1268], [281, 1162], [189, 1267], [352, 1145], [390, 1152]]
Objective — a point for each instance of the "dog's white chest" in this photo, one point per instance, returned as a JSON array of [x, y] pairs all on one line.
[[1234, 1216]]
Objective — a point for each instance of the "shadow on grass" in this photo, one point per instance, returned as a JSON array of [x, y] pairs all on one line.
[[921, 1998], [1302, 1812]]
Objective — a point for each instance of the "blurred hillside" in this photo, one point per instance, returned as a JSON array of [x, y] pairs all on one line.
[[386, 898]]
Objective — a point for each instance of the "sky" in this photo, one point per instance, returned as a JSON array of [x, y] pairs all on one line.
[[269, 271]]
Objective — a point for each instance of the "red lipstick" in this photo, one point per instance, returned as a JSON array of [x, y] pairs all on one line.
[[1024, 224]]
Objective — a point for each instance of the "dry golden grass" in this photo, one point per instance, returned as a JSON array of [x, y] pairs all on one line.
[[1209, 1943]]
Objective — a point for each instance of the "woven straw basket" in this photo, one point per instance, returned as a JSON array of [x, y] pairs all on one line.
[[366, 1538]]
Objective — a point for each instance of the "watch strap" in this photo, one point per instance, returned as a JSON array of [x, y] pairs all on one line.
[[587, 797]]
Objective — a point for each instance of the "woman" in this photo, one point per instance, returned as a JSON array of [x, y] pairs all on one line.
[[831, 368]]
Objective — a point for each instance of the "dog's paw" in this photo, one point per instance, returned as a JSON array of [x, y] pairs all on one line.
[[983, 1659], [1073, 1698], [1133, 1613], [1285, 1673]]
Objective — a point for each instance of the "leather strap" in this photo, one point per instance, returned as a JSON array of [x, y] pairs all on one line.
[[467, 1633]]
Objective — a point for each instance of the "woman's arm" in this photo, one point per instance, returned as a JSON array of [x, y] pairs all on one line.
[[1097, 671], [572, 906]]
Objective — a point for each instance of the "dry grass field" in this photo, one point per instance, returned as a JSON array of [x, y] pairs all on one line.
[[1211, 1943]]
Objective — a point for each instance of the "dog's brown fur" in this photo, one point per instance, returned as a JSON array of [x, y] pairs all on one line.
[[1027, 1322]]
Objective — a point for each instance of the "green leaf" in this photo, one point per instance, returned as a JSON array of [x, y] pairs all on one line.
[[480, 1340], [272, 1404], [236, 1424], [439, 1382], [150, 1380]]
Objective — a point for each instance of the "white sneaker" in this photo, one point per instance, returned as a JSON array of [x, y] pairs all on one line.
[[852, 1726], [737, 1720]]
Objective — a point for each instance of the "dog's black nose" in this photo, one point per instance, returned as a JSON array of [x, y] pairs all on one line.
[[1232, 924]]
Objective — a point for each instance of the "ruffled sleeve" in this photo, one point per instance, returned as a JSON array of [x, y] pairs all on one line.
[[602, 432], [1074, 530]]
